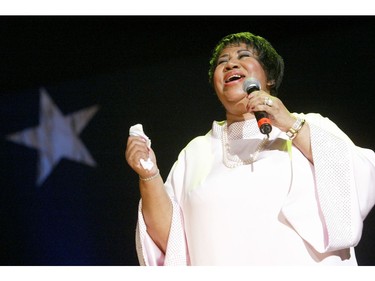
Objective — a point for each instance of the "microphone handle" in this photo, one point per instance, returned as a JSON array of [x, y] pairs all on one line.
[[264, 122]]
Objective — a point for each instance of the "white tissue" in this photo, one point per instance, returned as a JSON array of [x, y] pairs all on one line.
[[147, 164], [137, 130]]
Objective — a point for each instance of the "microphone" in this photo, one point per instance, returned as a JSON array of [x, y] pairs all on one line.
[[252, 84]]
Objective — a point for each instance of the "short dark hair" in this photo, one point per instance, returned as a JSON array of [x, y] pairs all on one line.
[[270, 60]]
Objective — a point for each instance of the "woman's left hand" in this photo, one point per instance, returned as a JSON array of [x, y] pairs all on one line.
[[281, 118], [278, 114]]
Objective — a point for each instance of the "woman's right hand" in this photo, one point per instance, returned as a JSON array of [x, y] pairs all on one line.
[[136, 150], [156, 204]]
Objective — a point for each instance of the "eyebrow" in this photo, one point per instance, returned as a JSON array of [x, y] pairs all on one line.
[[238, 51]]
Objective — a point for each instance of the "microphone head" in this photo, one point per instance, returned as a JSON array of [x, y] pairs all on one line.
[[251, 84]]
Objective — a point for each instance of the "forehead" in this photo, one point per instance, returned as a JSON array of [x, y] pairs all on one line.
[[235, 47]]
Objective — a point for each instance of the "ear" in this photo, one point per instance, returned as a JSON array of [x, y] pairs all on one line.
[[270, 84]]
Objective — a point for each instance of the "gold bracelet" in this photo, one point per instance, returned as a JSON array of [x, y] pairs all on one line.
[[150, 178], [297, 126]]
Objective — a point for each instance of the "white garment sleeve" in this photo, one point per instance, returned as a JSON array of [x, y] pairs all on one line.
[[329, 214], [149, 254], [186, 173]]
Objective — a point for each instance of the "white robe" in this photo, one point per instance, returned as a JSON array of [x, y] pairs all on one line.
[[280, 210]]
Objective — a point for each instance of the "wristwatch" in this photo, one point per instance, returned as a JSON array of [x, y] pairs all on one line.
[[293, 131]]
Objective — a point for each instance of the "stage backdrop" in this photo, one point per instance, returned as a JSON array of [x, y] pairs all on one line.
[[71, 87]]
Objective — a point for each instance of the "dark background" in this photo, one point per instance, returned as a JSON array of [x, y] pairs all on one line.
[[150, 70]]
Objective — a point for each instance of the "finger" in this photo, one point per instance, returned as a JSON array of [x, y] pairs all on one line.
[[254, 95], [134, 160], [134, 139], [269, 101], [258, 104], [136, 149], [136, 142]]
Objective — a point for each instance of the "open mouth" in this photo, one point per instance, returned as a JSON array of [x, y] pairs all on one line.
[[234, 77]]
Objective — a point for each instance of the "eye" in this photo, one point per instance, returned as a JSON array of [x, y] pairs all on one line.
[[221, 60], [244, 54]]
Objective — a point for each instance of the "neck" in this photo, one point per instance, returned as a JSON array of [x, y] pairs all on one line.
[[231, 118]]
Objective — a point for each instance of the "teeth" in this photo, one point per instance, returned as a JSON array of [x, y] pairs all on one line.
[[233, 77]]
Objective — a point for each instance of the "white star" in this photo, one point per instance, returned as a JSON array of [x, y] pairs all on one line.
[[56, 137]]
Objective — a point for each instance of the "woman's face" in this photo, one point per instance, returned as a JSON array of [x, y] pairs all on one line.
[[234, 65]]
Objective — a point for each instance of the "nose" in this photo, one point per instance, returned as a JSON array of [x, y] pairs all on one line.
[[231, 64]]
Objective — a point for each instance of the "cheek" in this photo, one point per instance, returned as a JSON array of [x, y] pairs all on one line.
[[217, 79], [259, 73], [253, 65]]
